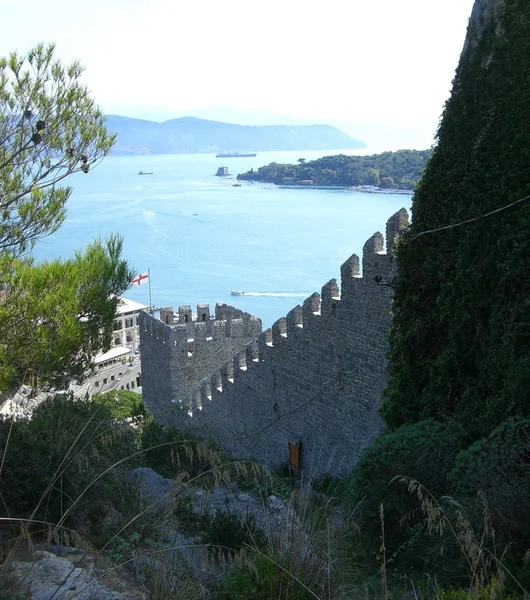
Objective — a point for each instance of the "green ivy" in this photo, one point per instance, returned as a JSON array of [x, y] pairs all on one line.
[[460, 339], [424, 452]]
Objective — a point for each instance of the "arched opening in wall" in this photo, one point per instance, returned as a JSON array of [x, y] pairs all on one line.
[[206, 389], [191, 347], [313, 303], [196, 400], [252, 353], [294, 319], [217, 382], [279, 329], [167, 319], [186, 318], [240, 361], [138, 380], [265, 340], [203, 317], [228, 369]]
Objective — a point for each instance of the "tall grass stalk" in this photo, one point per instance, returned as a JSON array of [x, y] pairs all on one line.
[[474, 549]]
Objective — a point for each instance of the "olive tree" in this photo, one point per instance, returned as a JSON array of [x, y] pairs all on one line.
[[49, 129]]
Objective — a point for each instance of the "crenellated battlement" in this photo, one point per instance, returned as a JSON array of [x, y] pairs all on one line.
[[315, 376], [184, 324], [180, 347]]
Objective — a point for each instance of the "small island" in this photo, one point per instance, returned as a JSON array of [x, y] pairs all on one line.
[[400, 170]]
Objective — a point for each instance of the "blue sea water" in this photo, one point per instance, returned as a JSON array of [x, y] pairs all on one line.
[[201, 237]]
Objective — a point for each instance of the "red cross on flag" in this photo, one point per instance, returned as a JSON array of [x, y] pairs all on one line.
[[140, 279]]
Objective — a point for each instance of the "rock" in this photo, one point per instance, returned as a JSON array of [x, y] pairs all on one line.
[[144, 565], [50, 576], [244, 498], [275, 503], [155, 489]]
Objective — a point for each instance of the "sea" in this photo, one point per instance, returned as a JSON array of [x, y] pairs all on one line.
[[200, 237]]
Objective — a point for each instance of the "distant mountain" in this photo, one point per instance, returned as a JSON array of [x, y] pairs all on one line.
[[190, 134], [381, 135]]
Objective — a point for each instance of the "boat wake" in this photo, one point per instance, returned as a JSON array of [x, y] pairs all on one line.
[[278, 294]]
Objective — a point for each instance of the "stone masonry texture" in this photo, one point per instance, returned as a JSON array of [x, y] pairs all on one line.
[[315, 377]]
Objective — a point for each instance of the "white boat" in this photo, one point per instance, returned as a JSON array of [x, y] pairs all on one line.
[[237, 293]]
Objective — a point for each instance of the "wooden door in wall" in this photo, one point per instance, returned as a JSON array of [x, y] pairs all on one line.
[[295, 457]]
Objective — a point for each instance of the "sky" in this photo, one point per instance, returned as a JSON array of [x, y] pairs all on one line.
[[374, 63]]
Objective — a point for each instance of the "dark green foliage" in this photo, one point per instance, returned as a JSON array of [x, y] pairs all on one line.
[[226, 532], [169, 452], [55, 316], [425, 452], [52, 458], [460, 339], [49, 129], [498, 468], [389, 170], [123, 404], [264, 579], [493, 591]]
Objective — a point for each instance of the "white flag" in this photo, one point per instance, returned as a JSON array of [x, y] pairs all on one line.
[[140, 279]]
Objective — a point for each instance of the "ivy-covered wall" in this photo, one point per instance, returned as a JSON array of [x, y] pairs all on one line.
[[460, 340]]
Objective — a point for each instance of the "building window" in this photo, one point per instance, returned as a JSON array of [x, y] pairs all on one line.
[[132, 385], [117, 340], [137, 321], [129, 322], [118, 324], [112, 377], [129, 337], [105, 381], [96, 383]]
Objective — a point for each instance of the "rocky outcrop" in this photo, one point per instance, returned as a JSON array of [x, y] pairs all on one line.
[[65, 574]]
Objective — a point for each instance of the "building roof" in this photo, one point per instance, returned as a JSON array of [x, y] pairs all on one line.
[[112, 353], [126, 306]]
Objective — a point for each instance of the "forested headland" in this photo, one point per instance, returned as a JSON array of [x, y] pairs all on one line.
[[389, 170]]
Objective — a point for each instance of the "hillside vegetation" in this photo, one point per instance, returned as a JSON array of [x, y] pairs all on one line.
[[189, 134], [460, 341], [389, 170], [451, 477], [438, 506]]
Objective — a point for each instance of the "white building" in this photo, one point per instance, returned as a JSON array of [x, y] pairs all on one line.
[[119, 367], [116, 369], [126, 325]]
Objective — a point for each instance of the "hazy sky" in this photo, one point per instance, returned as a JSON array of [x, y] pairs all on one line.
[[359, 61]]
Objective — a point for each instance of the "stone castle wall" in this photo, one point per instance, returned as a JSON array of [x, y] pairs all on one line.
[[180, 348], [315, 377]]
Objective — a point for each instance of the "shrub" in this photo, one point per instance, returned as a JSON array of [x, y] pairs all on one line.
[[52, 457], [499, 468], [226, 531], [263, 578], [170, 452], [425, 452], [123, 404]]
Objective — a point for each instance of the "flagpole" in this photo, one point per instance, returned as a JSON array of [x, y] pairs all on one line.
[[150, 301]]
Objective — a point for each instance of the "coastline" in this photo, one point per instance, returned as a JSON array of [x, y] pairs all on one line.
[[372, 189], [364, 189]]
